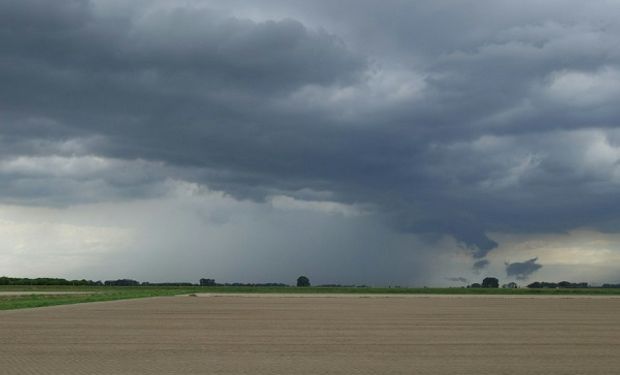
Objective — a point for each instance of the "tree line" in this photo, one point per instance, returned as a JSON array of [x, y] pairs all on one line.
[[493, 282], [4, 280], [47, 281], [561, 284], [302, 281]]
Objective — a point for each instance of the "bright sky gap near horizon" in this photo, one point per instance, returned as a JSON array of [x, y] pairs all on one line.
[[357, 142]]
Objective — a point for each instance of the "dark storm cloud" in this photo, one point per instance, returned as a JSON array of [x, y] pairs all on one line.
[[522, 270], [480, 264], [458, 279], [459, 118]]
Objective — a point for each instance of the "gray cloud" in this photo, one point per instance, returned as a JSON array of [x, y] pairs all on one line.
[[522, 270], [480, 264], [503, 120], [458, 279], [188, 233]]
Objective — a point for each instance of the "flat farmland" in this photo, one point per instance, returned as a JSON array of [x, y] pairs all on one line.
[[316, 334]]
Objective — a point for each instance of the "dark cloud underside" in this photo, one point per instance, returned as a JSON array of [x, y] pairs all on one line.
[[522, 270], [458, 118]]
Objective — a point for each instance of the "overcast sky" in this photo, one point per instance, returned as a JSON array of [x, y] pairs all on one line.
[[371, 142]]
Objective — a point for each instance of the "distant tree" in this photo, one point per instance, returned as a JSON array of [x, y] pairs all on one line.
[[122, 282], [610, 285], [490, 282], [207, 282], [561, 284], [303, 281], [475, 285], [510, 285]]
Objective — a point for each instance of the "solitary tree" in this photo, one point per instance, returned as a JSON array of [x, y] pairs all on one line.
[[303, 281], [490, 282]]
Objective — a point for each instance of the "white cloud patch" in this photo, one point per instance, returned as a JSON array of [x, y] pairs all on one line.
[[79, 178], [380, 89], [36, 242], [585, 88], [579, 255], [507, 162], [56, 166]]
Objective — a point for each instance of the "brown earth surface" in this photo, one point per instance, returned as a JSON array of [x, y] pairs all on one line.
[[316, 335]]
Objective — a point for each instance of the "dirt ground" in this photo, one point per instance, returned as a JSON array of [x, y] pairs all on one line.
[[316, 335]]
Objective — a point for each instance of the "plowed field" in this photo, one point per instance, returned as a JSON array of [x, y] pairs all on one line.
[[288, 334]]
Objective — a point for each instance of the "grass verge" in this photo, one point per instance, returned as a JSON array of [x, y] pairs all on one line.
[[103, 293], [93, 294]]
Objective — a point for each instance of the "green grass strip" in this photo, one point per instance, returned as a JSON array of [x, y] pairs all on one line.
[[103, 293]]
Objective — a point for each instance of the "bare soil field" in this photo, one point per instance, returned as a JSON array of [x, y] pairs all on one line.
[[285, 334]]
